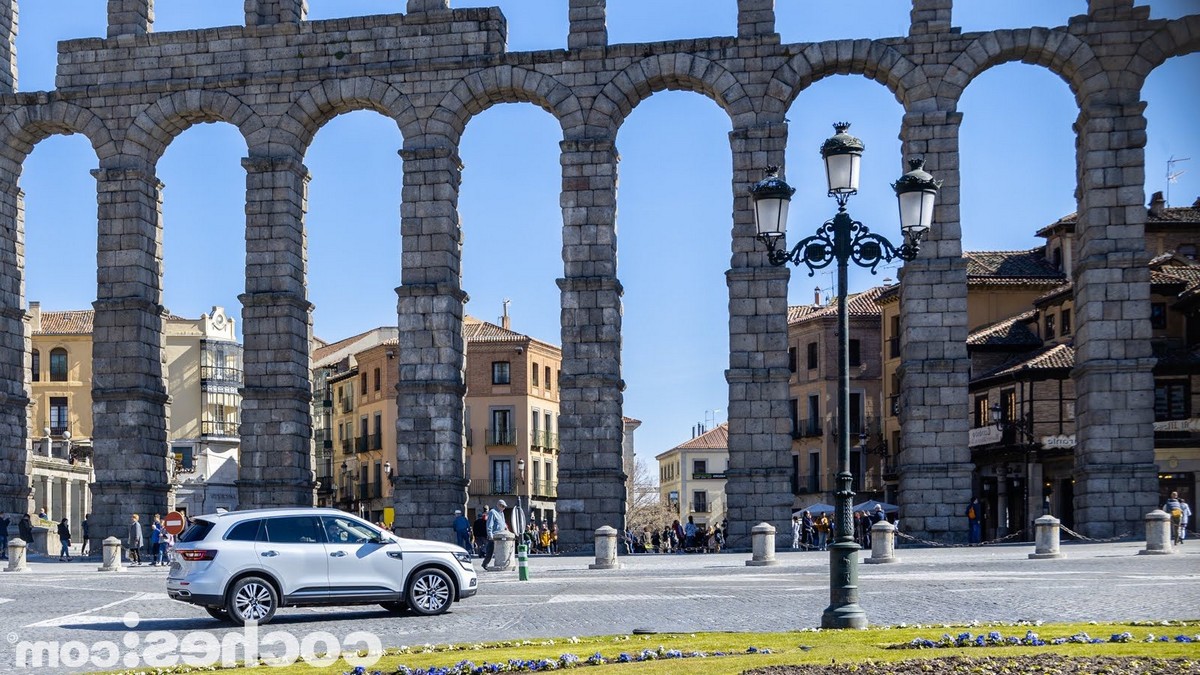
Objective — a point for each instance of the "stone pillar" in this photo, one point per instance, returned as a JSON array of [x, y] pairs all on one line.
[[1158, 533], [756, 18], [1116, 480], [267, 12], [17, 549], [1046, 546], [758, 483], [589, 24], [762, 545], [430, 480], [606, 549], [503, 557], [15, 422], [591, 474], [130, 17], [1113, 10], [427, 5], [275, 467], [935, 462], [129, 388], [883, 544], [930, 16], [8, 46], [111, 555]]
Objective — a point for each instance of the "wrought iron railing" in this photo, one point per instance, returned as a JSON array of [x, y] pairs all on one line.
[[502, 436], [223, 373], [219, 427]]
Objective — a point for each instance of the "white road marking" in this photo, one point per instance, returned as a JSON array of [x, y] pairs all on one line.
[[86, 615], [4, 600]]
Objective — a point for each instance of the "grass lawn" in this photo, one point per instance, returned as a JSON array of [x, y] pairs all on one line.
[[821, 647]]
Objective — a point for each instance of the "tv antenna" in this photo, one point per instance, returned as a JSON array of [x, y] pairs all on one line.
[[1173, 175]]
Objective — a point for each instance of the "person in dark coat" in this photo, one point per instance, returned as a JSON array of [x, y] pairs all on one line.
[[479, 529], [4, 523], [64, 538], [25, 529]]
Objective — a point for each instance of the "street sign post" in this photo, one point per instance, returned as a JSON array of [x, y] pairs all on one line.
[[174, 522]]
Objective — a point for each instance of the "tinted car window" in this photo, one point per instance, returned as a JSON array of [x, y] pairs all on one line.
[[294, 530], [247, 531], [197, 531], [346, 531]]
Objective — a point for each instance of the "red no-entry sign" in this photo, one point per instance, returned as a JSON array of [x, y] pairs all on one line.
[[174, 522]]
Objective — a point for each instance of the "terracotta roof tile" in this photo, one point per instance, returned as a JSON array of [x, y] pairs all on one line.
[[72, 322], [1008, 266], [1174, 214], [1050, 357], [1012, 331], [716, 439], [859, 304]]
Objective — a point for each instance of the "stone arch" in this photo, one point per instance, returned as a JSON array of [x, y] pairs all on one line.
[[1062, 53], [28, 125], [676, 72], [1178, 38], [161, 121], [482, 89], [316, 107], [870, 58]]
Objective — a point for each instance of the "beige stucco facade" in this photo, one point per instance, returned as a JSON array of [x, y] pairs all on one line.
[[691, 477]]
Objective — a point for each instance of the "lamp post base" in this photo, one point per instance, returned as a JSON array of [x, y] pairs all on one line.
[[844, 616], [843, 610]]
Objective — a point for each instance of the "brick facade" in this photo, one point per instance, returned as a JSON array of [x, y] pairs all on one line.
[[434, 68]]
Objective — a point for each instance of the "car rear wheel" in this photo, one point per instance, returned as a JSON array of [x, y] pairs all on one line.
[[430, 591], [252, 599], [218, 613]]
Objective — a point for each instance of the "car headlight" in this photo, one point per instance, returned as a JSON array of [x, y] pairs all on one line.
[[464, 559]]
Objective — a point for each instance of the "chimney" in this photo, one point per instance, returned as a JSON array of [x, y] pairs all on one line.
[[817, 295], [504, 322], [1196, 204], [1157, 204], [35, 316]]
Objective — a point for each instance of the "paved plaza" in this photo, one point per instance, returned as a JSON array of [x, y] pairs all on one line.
[[667, 593]]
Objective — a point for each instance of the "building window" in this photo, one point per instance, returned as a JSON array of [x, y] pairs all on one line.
[[855, 353], [814, 471], [502, 482], [1066, 322], [1158, 320], [36, 366], [1057, 258], [982, 416], [812, 356], [500, 372], [792, 356], [1170, 401], [185, 457], [362, 383], [794, 409], [548, 387], [58, 415], [699, 466], [1049, 326], [502, 432], [58, 365], [856, 414], [534, 372], [378, 380], [700, 501], [1187, 251]]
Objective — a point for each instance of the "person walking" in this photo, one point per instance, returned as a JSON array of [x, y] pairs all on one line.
[[25, 529], [4, 523], [462, 530], [479, 530], [1180, 514], [85, 547], [156, 533], [975, 521], [495, 525], [64, 540], [134, 540], [823, 531], [807, 531], [795, 532]]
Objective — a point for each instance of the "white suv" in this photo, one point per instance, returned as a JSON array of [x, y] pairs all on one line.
[[241, 566]]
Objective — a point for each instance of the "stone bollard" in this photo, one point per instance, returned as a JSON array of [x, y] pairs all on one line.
[[606, 549], [16, 556], [1046, 539], [762, 545], [1158, 534], [112, 555], [883, 544], [503, 558]]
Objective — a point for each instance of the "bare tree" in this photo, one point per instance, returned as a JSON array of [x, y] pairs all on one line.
[[646, 505]]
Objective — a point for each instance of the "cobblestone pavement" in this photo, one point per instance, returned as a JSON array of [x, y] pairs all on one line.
[[668, 593]]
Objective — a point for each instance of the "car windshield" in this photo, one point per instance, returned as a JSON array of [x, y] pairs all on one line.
[[346, 531], [197, 531]]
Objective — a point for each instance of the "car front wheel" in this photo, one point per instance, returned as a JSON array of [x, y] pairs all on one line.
[[252, 599], [430, 592]]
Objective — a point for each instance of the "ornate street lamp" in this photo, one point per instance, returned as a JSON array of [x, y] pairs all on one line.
[[842, 240]]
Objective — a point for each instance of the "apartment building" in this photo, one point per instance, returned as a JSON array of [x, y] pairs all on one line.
[[691, 476]]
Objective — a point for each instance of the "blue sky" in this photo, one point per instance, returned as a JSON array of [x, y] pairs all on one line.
[[673, 244]]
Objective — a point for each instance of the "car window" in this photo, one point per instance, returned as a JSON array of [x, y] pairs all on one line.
[[246, 531], [197, 531], [294, 530], [346, 531]]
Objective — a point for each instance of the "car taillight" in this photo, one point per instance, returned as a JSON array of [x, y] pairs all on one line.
[[196, 554]]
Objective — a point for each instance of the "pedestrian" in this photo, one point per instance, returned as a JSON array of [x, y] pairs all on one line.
[[823, 531], [462, 530], [975, 521], [165, 541], [689, 534], [85, 547], [1180, 514], [677, 540], [795, 532], [545, 539], [134, 540], [864, 529], [25, 529], [807, 531], [479, 529], [4, 523], [495, 525], [44, 513], [878, 516], [64, 540], [156, 533]]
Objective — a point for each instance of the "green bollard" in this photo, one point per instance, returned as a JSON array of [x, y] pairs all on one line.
[[523, 563]]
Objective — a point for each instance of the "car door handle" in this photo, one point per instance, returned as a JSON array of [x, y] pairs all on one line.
[[337, 554], [269, 554], [398, 555]]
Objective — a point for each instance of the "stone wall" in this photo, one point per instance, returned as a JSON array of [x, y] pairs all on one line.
[[279, 79]]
